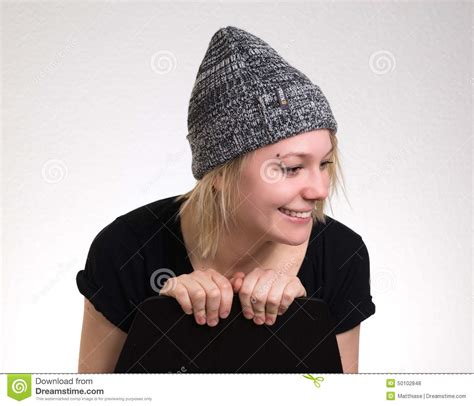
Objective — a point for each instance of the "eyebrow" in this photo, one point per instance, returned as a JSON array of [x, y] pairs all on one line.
[[303, 154]]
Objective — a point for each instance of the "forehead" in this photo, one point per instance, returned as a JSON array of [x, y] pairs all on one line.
[[315, 143]]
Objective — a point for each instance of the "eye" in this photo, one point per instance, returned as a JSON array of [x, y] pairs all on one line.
[[290, 171], [293, 171], [326, 163]]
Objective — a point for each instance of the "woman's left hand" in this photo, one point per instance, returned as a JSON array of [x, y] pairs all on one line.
[[265, 293]]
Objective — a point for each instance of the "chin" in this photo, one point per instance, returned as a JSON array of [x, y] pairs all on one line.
[[292, 234], [295, 242]]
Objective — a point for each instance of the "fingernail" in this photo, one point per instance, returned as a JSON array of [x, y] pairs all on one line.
[[225, 314], [201, 319], [269, 320], [248, 314], [258, 320], [213, 322]]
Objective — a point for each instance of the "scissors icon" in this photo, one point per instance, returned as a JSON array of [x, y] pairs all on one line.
[[315, 380]]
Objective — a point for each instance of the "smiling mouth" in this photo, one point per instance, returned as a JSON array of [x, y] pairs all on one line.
[[301, 215]]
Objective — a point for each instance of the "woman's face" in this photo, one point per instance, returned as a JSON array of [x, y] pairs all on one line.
[[272, 180]]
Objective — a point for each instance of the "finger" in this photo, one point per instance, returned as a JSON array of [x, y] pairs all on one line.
[[181, 294], [168, 287], [292, 289], [197, 296], [245, 292], [273, 302], [260, 294], [239, 274], [227, 294], [236, 284], [213, 295], [236, 281]]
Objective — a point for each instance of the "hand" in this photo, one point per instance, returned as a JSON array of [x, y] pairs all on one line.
[[265, 293], [205, 293]]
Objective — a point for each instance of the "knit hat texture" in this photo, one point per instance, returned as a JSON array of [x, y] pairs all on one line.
[[246, 96]]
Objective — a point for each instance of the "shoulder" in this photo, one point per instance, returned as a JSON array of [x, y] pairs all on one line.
[[337, 249], [149, 219], [336, 236], [130, 232], [343, 268]]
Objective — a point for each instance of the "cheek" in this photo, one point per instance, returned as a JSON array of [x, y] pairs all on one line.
[[259, 211], [264, 191], [271, 197]]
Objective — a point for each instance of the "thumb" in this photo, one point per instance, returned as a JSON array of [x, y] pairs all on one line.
[[237, 284], [237, 280]]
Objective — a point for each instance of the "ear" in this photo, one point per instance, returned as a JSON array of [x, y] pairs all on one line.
[[217, 184]]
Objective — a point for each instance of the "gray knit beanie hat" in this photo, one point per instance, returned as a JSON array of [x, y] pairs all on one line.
[[247, 96]]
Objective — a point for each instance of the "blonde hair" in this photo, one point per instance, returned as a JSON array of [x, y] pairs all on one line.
[[212, 210]]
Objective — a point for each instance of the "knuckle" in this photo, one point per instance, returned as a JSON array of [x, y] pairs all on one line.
[[271, 272], [226, 286], [199, 309], [199, 295], [273, 301], [181, 295], [180, 290], [257, 300], [260, 310], [245, 293], [214, 293], [186, 308]]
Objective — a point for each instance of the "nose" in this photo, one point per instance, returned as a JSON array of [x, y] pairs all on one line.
[[316, 186]]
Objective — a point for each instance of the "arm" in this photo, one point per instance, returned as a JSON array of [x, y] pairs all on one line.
[[101, 342], [348, 343]]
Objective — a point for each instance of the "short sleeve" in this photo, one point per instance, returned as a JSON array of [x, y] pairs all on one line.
[[113, 279], [353, 302]]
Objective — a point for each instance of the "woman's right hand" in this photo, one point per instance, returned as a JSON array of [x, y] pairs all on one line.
[[205, 293]]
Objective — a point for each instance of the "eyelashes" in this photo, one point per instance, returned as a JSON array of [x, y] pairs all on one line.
[[291, 171]]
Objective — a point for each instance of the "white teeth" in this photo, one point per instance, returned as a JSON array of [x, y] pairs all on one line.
[[299, 214]]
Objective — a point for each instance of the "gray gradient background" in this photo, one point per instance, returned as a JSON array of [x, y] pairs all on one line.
[[94, 111]]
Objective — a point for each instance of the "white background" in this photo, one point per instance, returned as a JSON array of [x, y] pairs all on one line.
[[94, 110]]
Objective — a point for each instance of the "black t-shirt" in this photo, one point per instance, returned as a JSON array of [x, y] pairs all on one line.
[[128, 257]]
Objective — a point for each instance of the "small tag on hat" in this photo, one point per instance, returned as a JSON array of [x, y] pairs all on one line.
[[282, 100]]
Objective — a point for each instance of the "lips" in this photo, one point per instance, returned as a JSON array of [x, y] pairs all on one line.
[[301, 211], [296, 217]]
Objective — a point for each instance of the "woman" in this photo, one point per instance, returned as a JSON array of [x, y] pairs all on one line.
[[265, 157]]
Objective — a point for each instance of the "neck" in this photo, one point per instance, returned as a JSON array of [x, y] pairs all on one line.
[[236, 251]]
